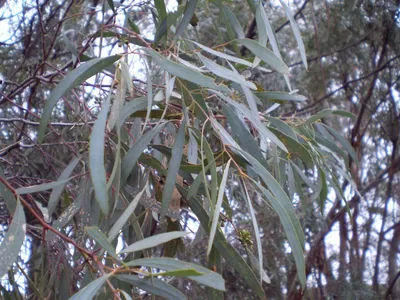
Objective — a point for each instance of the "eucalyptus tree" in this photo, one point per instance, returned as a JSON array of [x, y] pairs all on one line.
[[127, 141]]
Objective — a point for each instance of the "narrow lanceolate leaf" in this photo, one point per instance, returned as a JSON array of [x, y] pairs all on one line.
[[256, 230], [183, 72], [9, 198], [154, 240], [256, 265], [96, 159], [173, 169], [167, 22], [217, 209], [280, 96], [130, 159], [292, 227], [266, 55], [13, 240], [73, 79], [118, 101], [226, 73], [57, 191], [208, 277], [95, 233], [227, 250], [154, 286], [296, 32], [132, 107], [187, 16], [180, 273], [149, 98], [344, 142], [327, 112], [89, 291], [233, 22], [223, 55], [41, 187], [112, 234]]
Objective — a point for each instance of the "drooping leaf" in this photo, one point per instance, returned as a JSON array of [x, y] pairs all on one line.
[[153, 286], [173, 169], [71, 80], [209, 278], [41, 187], [95, 233], [256, 230], [89, 291], [187, 16], [226, 73], [131, 157], [280, 96], [57, 191], [233, 22], [112, 234], [96, 159], [266, 55], [13, 240], [180, 273], [167, 22], [217, 209], [296, 31], [227, 251], [9, 198], [154, 240], [183, 72]]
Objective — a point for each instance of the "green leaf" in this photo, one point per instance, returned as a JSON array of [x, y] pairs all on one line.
[[209, 278], [218, 205], [223, 55], [233, 22], [255, 120], [161, 10], [57, 191], [180, 273], [166, 23], [256, 230], [13, 240], [131, 157], [266, 55], [95, 233], [246, 140], [89, 291], [153, 286], [71, 80], [296, 32], [292, 227], [280, 96], [96, 159], [173, 169], [132, 25], [41, 187], [183, 72], [132, 107], [295, 148], [282, 126], [225, 73], [187, 16], [112, 234], [154, 240], [7, 195], [327, 112], [344, 142], [226, 250], [283, 207]]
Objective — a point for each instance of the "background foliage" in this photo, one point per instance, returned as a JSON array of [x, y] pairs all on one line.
[[203, 149]]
